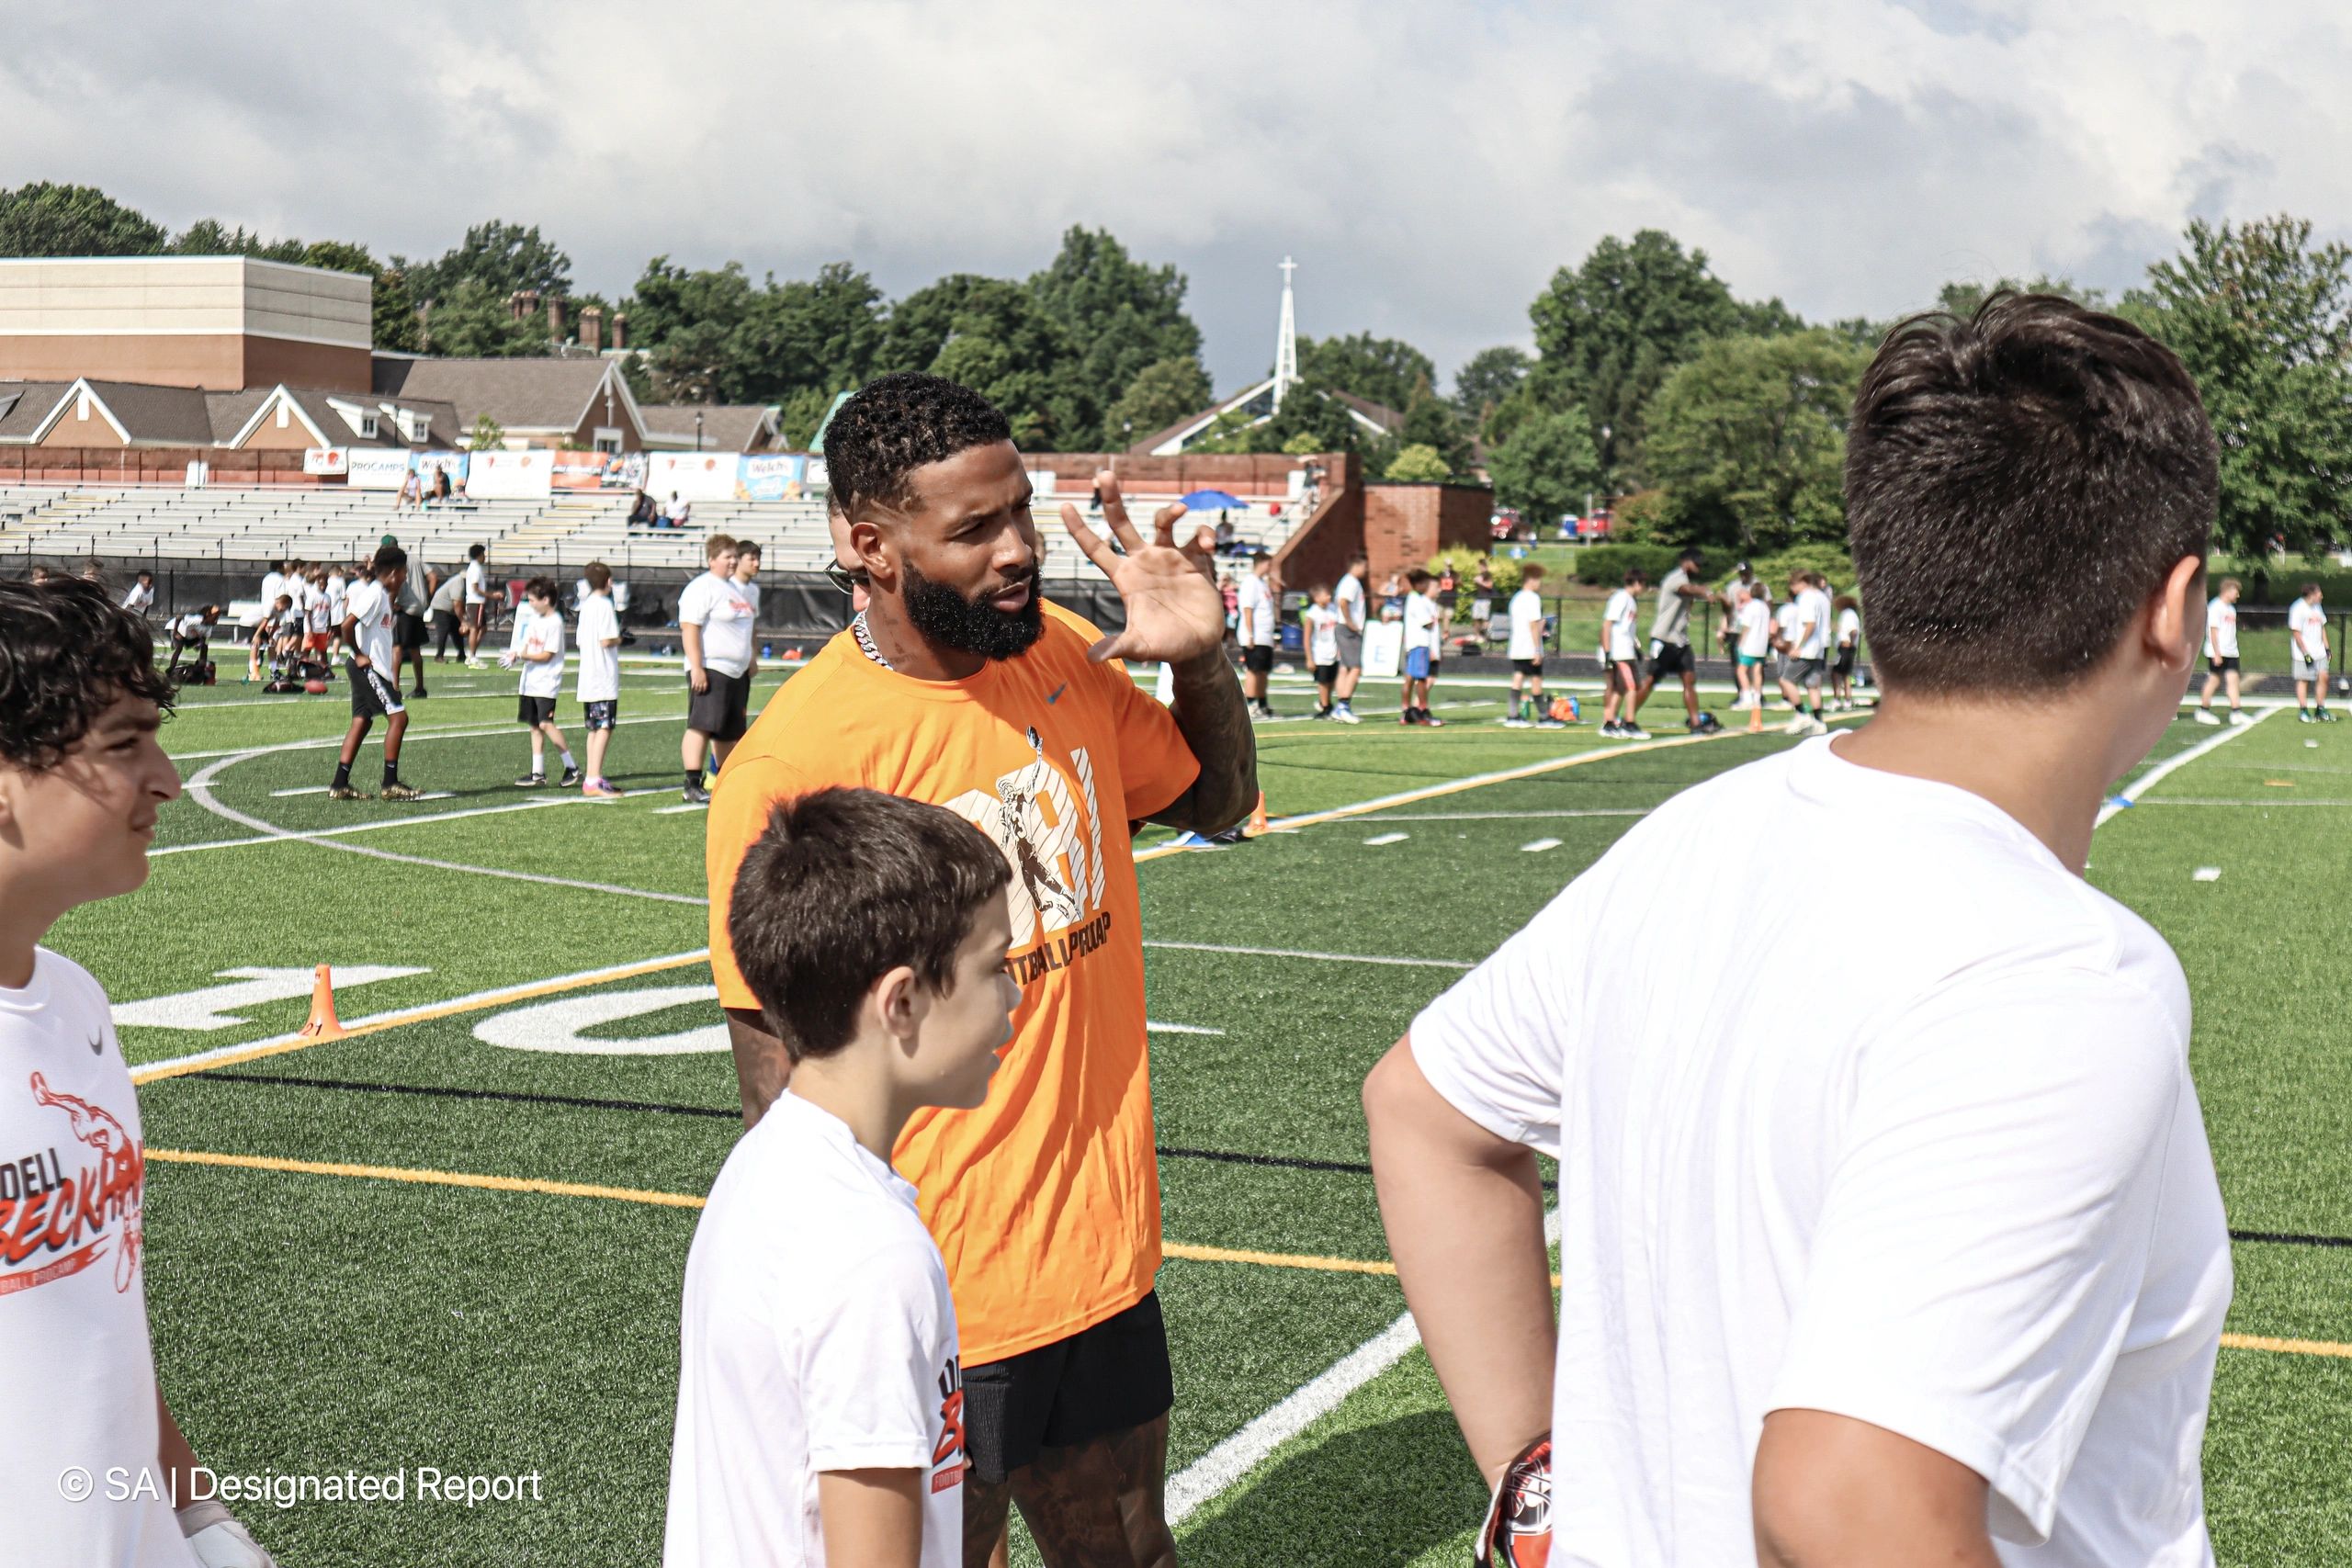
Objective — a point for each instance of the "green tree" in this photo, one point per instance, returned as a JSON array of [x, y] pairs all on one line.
[[999, 343], [1611, 330], [695, 364], [1120, 316], [817, 333], [1963, 297], [1381, 369], [395, 325], [44, 219], [1748, 439], [1162, 393], [1486, 379], [1548, 467], [487, 435], [472, 321], [1431, 422], [210, 237], [2263, 319], [505, 258], [1418, 464]]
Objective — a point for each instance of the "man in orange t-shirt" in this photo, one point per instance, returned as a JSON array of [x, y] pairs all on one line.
[[960, 686]]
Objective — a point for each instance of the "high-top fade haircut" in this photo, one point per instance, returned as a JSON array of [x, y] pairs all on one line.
[[845, 885], [897, 424], [2017, 485], [67, 654]]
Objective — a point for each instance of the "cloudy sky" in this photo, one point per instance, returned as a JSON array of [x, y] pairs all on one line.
[[1428, 166]]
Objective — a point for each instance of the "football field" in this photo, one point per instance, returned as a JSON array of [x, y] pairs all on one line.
[[454, 1238]]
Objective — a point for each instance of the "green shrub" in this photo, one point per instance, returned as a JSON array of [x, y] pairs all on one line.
[[1830, 561], [1465, 562], [2276, 582], [1605, 566]]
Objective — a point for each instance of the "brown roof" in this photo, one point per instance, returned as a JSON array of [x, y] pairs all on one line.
[[157, 416], [1381, 414], [520, 394], [24, 404], [726, 427]]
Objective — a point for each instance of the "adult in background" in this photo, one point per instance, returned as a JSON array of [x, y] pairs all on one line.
[[1260, 632], [1670, 652], [960, 686], [477, 601], [407, 620], [1350, 600], [2220, 653], [715, 622], [1947, 1268]]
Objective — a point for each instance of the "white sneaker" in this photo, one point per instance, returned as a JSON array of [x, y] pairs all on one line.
[[1633, 732], [1346, 716], [1814, 727], [2237, 715], [1795, 726], [1513, 723], [2207, 715]]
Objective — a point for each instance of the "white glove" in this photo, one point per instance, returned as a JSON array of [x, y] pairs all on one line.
[[506, 661], [219, 1540]]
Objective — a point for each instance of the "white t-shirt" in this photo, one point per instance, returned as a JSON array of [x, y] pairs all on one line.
[[272, 583], [1260, 621], [1320, 624], [1813, 611], [600, 667], [817, 1333], [338, 593], [477, 584], [314, 612], [1617, 624], [1349, 597], [190, 627], [1849, 628], [535, 633], [74, 1309], [2311, 621], [139, 598], [1420, 620], [371, 607], [1526, 624], [1784, 621], [720, 606], [1970, 1200], [2222, 628], [1755, 628]]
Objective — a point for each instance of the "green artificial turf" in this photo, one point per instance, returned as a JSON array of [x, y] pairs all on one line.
[[307, 1321]]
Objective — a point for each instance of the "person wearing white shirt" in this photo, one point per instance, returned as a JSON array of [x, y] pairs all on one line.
[[1809, 638], [367, 634], [537, 644], [1420, 637], [477, 601], [1259, 630], [1941, 1276], [274, 587], [1350, 600], [139, 597], [1850, 650], [1319, 629], [1525, 650], [2307, 634], [820, 1416], [91, 1459], [600, 675], [1752, 641], [2221, 654], [1620, 661], [714, 623]]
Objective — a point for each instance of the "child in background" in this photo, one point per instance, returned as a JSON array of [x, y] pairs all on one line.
[[821, 1396], [1754, 623], [600, 674], [1850, 648], [1318, 623], [1526, 651], [536, 644], [1421, 632]]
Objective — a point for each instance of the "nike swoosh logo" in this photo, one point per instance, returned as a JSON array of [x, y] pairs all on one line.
[[1054, 695]]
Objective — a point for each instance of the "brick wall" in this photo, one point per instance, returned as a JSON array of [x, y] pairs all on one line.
[[1261, 475], [1405, 524], [149, 465]]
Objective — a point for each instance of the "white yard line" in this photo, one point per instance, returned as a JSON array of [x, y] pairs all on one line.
[[2125, 798], [280, 836], [1302, 953], [332, 742], [1501, 816], [1379, 838]]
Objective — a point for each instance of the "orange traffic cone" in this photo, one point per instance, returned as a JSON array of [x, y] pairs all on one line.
[[1755, 717], [323, 1024], [1257, 827]]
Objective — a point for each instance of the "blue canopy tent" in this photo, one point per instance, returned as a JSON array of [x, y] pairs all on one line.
[[1214, 501]]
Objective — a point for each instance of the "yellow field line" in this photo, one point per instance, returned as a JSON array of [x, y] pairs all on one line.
[[689, 1200], [407, 1016]]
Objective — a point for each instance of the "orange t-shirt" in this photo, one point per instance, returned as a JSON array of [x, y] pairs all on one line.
[[1046, 1200]]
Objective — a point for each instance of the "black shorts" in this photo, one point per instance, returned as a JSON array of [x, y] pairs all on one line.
[[2222, 666], [1527, 667], [408, 631], [1326, 674], [1671, 658], [1107, 1379], [1845, 665], [373, 695], [533, 711], [446, 625], [1257, 659], [601, 715], [719, 712]]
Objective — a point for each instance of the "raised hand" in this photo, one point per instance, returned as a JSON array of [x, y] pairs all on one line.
[[1174, 611]]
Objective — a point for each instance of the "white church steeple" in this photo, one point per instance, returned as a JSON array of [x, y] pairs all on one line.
[[1286, 340]]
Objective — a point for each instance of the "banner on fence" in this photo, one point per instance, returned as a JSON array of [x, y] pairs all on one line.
[[693, 476], [767, 478], [429, 464], [524, 475], [326, 460], [599, 471], [376, 469]]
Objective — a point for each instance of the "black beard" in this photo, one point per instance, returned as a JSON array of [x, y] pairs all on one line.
[[947, 619]]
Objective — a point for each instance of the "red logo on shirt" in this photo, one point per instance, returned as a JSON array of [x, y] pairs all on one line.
[[948, 1460], [52, 1225]]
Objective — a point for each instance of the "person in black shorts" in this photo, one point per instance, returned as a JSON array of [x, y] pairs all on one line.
[[367, 633]]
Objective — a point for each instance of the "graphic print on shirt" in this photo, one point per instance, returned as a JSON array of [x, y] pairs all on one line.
[[52, 1224], [1056, 851], [949, 1459]]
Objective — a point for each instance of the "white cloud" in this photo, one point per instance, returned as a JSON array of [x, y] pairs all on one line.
[[1429, 166]]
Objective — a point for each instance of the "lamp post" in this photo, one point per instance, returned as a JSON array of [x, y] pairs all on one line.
[[697, 431]]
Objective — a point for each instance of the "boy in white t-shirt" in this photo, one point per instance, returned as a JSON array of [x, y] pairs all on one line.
[[1525, 651], [2307, 639], [1621, 659], [1318, 628], [1751, 644], [821, 1396], [600, 674], [1421, 657], [536, 644], [80, 704], [715, 623], [2220, 653], [1947, 1266]]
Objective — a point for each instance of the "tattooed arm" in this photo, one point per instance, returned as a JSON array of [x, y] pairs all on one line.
[[1216, 724]]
